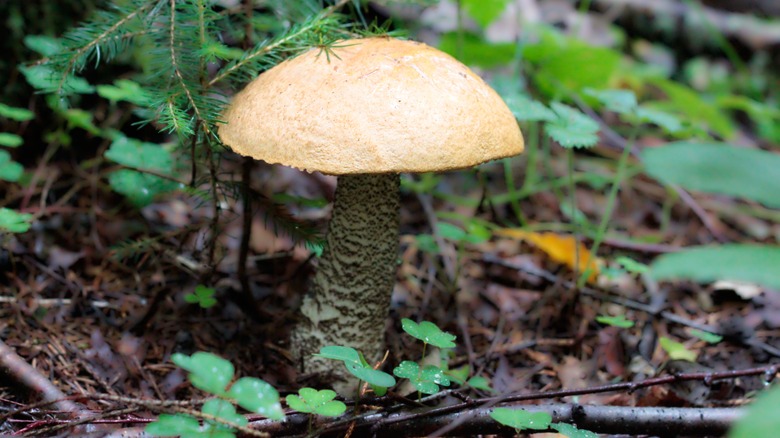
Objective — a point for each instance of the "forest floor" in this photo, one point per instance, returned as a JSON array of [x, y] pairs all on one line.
[[92, 298]]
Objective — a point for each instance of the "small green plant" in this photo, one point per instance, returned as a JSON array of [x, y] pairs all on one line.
[[202, 296], [761, 419], [426, 379], [710, 338], [12, 221], [520, 420], [429, 333], [676, 350], [319, 402], [212, 374], [615, 321], [358, 366]]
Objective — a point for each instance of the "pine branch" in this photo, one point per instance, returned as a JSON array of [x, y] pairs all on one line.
[[266, 48]]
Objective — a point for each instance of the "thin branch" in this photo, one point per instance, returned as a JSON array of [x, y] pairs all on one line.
[[266, 49], [177, 71]]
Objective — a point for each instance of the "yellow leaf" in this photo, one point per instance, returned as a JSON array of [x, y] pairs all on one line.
[[561, 249]]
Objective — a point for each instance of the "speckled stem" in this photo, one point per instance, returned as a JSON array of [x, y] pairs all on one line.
[[349, 299]]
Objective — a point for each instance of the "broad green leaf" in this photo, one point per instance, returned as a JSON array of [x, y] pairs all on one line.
[[429, 333], [13, 113], [484, 12], [688, 103], [203, 296], [476, 51], [125, 90], [572, 66], [257, 396], [526, 109], [632, 265], [407, 369], [761, 419], [676, 350], [615, 321], [426, 380], [370, 375], [12, 221], [312, 401], [435, 374], [175, 425], [78, 118], [479, 382], [521, 419], [756, 264], [666, 121], [9, 170], [572, 128], [717, 168], [337, 352], [45, 79], [571, 431], [224, 410], [140, 187], [44, 45], [619, 101], [710, 338], [10, 140], [208, 371]]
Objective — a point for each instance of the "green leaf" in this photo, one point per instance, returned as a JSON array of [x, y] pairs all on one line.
[[45, 79], [12, 221], [13, 113], [666, 121], [710, 338], [566, 66], [9, 170], [676, 350], [572, 128], [426, 380], [476, 51], [619, 101], [484, 11], [615, 321], [44, 45], [429, 333], [761, 419], [571, 431], [337, 352], [717, 168], [526, 109], [312, 401], [632, 265], [175, 425], [203, 296], [125, 90], [688, 103], [479, 382], [749, 263], [370, 375], [257, 396], [225, 411], [10, 140], [78, 118], [139, 187], [521, 419], [407, 369], [208, 371]]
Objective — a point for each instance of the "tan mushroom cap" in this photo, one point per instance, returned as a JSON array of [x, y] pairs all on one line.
[[373, 105]]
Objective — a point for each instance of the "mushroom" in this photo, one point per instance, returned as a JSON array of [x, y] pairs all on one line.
[[365, 110]]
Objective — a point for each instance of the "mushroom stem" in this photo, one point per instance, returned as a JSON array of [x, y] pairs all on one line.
[[350, 296]]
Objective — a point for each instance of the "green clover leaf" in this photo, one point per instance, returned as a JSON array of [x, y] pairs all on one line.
[[429, 333]]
